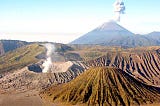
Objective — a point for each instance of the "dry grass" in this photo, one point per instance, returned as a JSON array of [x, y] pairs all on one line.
[[103, 86], [90, 52], [20, 58]]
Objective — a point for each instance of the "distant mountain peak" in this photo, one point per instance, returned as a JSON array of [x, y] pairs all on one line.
[[110, 26], [113, 34], [107, 32]]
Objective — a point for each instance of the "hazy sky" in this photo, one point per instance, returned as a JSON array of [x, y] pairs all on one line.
[[65, 20]]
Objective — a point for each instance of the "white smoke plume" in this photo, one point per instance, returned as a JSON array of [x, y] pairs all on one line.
[[119, 8], [48, 62]]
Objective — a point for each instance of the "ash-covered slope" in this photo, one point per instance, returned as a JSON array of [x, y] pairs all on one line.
[[103, 86], [112, 34]]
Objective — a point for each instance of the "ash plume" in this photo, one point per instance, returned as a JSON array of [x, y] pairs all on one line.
[[119, 8], [48, 62]]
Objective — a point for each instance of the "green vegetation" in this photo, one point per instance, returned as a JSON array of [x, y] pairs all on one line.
[[20, 57]]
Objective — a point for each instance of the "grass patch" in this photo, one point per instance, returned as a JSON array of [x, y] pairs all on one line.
[[20, 57]]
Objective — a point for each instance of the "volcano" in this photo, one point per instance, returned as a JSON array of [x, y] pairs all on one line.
[[113, 34], [103, 86], [105, 33]]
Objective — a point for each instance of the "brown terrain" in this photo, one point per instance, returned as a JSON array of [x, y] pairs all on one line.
[[103, 86], [21, 99], [21, 88], [24, 80], [141, 64]]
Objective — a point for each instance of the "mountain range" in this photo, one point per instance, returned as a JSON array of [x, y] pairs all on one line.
[[113, 34]]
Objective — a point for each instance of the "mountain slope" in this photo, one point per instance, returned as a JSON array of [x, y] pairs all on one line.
[[112, 34], [21, 69], [103, 86], [20, 57], [105, 33], [1, 49], [132, 41], [9, 45], [155, 36], [143, 65]]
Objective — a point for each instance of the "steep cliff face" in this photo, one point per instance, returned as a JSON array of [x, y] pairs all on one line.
[[9, 45], [1, 49], [144, 66], [103, 86]]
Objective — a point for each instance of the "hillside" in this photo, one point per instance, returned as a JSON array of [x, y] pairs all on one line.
[[132, 41], [103, 86], [21, 69], [26, 80], [155, 36], [9, 45], [20, 57], [142, 64]]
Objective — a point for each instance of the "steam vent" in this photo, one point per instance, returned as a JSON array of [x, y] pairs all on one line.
[[103, 86]]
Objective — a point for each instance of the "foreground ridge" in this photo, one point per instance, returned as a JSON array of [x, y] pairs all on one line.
[[104, 86]]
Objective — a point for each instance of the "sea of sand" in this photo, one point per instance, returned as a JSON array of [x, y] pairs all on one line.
[[30, 98]]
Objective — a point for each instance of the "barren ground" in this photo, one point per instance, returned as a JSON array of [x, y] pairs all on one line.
[[30, 98]]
